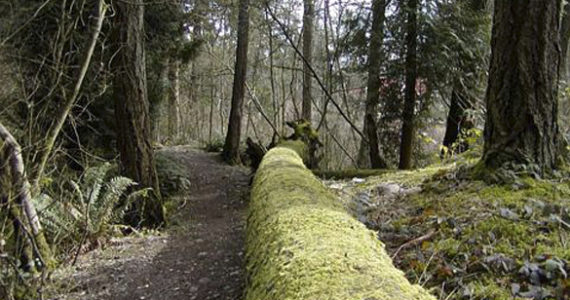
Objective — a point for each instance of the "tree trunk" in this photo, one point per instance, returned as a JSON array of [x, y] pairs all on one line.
[[25, 219], [407, 143], [174, 101], [211, 114], [564, 38], [308, 17], [460, 103], [564, 105], [272, 73], [522, 103], [373, 87], [132, 112], [157, 108], [457, 121], [231, 146]]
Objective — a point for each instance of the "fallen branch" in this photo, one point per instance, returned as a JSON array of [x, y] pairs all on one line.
[[21, 187], [415, 241]]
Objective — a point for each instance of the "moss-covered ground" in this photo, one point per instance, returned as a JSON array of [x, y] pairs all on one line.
[[465, 239]]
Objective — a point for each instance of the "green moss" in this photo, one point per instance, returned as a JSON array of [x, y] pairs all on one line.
[[450, 246], [474, 221], [296, 145], [349, 173], [302, 244], [407, 178], [303, 128], [489, 289]]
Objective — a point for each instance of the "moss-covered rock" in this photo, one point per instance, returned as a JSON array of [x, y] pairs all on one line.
[[302, 244]]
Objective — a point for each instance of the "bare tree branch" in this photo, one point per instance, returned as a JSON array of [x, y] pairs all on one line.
[[56, 129], [312, 70]]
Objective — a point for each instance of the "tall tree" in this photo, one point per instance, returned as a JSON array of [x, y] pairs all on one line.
[[174, 100], [407, 142], [458, 120], [132, 111], [564, 39], [522, 103], [231, 146], [308, 18], [373, 87]]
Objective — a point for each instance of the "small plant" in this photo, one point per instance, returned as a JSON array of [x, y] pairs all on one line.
[[214, 145], [94, 207]]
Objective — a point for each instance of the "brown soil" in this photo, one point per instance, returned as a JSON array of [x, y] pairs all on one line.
[[199, 256]]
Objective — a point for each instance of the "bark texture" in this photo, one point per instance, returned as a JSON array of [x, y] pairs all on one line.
[[461, 102], [308, 19], [522, 103], [132, 112], [564, 38], [231, 146], [15, 184], [373, 86], [457, 121], [407, 143], [174, 101]]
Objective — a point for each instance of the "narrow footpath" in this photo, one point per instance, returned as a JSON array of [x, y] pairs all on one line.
[[200, 255]]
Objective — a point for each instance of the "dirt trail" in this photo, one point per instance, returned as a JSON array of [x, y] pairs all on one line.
[[198, 257]]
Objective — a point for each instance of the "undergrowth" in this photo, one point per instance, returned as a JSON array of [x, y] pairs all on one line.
[[467, 239], [90, 214]]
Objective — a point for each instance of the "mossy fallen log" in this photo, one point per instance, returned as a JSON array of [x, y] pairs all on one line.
[[302, 244], [350, 173]]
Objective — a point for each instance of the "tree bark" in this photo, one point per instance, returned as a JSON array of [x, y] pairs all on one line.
[[564, 38], [373, 86], [308, 17], [174, 101], [457, 121], [231, 146], [132, 112], [407, 143], [522, 103], [460, 103], [25, 219]]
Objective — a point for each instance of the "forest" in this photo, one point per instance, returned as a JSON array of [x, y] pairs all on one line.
[[284, 150]]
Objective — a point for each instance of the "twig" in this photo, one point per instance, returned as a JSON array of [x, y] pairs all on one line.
[[56, 129], [255, 100], [415, 241], [312, 70], [36, 13]]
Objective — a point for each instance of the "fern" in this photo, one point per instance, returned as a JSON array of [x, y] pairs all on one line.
[[96, 203], [104, 211]]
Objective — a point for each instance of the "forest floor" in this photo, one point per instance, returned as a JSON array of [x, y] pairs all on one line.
[[198, 256], [467, 239]]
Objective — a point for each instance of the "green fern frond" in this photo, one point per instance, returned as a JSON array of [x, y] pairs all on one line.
[[103, 210], [95, 175], [95, 202]]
